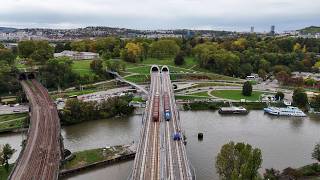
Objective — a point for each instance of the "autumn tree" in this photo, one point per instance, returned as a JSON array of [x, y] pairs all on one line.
[[164, 49], [132, 52], [238, 162]]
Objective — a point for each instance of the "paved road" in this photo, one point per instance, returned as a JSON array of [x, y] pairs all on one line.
[[5, 109], [41, 156]]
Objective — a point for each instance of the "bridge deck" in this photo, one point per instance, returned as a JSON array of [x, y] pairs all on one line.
[[158, 155], [40, 159]]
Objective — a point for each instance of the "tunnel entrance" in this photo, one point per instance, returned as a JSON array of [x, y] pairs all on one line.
[[165, 69], [22, 76], [31, 76], [154, 69]]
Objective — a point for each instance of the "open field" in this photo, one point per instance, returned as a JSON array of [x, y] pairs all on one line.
[[82, 67], [236, 95]]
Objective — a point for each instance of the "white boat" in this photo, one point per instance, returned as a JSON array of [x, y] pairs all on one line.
[[288, 111]]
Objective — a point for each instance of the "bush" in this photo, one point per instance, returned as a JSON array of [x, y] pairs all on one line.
[[247, 89], [179, 59]]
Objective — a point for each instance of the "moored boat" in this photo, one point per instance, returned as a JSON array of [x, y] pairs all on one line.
[[287, 111], [233, 110]]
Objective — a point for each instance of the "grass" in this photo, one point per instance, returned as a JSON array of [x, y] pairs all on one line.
[[203, 94], [9, 117], [137, 99], [138, 78], [215, 84], [186, 97], [82, 67], [236, 95], [3, 173], [87, 157]]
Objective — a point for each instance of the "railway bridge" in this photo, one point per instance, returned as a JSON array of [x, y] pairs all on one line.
[[42, 153], [161, 152]]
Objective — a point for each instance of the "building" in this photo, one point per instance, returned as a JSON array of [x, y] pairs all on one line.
[[272, 30], [77, 55], [252, 29]]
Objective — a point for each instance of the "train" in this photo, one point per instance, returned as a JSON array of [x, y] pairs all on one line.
[[167, 112], [155, 108]]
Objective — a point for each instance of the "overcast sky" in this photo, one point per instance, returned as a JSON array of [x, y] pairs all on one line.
[[236, 15]]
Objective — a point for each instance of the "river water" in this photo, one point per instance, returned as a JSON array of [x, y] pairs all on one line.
[[284, 141]]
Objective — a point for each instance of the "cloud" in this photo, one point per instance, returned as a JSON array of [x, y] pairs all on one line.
[[161, 14]]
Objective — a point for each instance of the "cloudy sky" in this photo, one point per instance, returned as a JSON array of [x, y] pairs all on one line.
[[236, 15]]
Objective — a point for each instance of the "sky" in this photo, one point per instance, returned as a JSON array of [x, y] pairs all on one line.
[[234, 15]]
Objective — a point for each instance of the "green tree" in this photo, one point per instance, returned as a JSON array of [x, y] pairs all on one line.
[[263, 74], [315, 102], [57, 73], [97, 66], [179, 59], [7, 55], [7, 152], [164, 49], [279, 95], [43, 52], [247, 88], [238, 162], [26, 48], [59, 47], [272, 174], [300, 97], [316, 152]]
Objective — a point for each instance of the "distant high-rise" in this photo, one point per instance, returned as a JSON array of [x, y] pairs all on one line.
[[272, 31], [252, 29]]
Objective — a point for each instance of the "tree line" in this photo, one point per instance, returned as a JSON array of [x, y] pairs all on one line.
[[76, 111]]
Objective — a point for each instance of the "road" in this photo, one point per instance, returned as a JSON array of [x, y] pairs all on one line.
[[40, 159]]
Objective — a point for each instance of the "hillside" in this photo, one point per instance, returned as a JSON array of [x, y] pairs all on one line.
[[311, 29]]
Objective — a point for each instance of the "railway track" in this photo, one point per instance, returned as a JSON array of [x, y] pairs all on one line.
[[159, 156], [40, 159]]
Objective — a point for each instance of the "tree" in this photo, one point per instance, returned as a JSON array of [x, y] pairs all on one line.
[[238, 161], [279, 95], [263, 74], [132, 52], [7, 152], [59, 47], [97, 66], [300, 98], [7, 55], [26, 48], [272, 174], [179, 59], [43, 52], [316, 152], [164, 49], [315, 102], [247, 88]]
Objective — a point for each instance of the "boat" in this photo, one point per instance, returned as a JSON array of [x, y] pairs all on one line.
[[287, 111], [233, 110]]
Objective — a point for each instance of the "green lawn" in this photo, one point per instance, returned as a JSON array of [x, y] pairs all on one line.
[[12, 121], [82, 67], [204, 94], [3, 173], [138, 78], [236, 95], [91, 156], [186, 97]]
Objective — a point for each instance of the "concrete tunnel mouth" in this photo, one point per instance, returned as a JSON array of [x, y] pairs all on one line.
[[165, 69], [155, 69]]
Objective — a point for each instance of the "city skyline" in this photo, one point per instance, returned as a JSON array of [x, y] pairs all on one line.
[[231, 15]]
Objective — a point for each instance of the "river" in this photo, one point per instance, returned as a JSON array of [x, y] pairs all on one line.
[[284, 141]]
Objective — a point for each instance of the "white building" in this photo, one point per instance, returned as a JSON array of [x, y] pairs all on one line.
[[77, 55]]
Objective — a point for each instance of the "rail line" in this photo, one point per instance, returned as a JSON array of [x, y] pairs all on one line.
[[40, 159]]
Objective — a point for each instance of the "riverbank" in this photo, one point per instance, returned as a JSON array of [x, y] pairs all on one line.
[[93, 158], [216, 105], [13, 122]]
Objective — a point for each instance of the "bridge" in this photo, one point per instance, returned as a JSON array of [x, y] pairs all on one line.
[[41, 155], [161, 152]]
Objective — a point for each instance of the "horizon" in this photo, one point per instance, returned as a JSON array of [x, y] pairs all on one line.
[[230, 15]]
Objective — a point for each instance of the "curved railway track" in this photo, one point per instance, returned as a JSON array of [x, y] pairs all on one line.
[[40, 159]]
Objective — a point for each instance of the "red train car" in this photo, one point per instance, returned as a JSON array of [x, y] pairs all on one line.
[[166, 102], [155, 108]]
